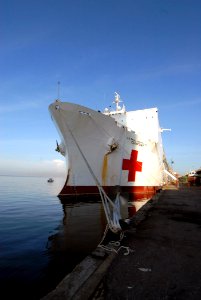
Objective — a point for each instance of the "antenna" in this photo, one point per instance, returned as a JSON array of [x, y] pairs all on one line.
[[58, 91]]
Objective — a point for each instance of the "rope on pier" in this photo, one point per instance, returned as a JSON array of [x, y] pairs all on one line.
[[114, 246]]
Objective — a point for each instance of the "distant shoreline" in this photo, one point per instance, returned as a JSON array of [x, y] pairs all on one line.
[[42, 176]]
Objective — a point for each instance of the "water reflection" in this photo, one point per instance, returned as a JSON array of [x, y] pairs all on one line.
[[82, 226], [78, 234]]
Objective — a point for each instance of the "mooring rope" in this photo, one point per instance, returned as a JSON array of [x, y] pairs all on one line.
[[108, 204], [114, 246]]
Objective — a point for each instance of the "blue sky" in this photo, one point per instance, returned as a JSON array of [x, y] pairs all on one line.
[[147, 50]]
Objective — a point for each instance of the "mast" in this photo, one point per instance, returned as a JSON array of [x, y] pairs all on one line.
[[117, 100], [119, 109]]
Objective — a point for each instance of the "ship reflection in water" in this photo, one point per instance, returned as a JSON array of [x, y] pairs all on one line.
[[79, 233], [84, 223], [134, 206], [82, 226]]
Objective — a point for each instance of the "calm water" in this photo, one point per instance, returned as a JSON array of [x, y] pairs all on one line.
[[41, 237]]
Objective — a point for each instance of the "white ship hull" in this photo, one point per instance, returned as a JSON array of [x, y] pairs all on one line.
[[120, 151]]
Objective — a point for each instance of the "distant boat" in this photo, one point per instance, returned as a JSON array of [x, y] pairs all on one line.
[[50, 180]]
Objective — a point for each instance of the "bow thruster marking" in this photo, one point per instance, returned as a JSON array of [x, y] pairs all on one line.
[[132, 165]]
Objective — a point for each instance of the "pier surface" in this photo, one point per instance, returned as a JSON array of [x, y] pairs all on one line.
[[164, 259]]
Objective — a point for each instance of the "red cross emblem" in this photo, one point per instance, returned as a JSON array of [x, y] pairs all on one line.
[[132, 165]]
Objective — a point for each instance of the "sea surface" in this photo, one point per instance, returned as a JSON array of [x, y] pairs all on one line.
[[42, 238]]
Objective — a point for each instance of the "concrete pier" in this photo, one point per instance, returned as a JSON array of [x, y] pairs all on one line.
[[164, 258]]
